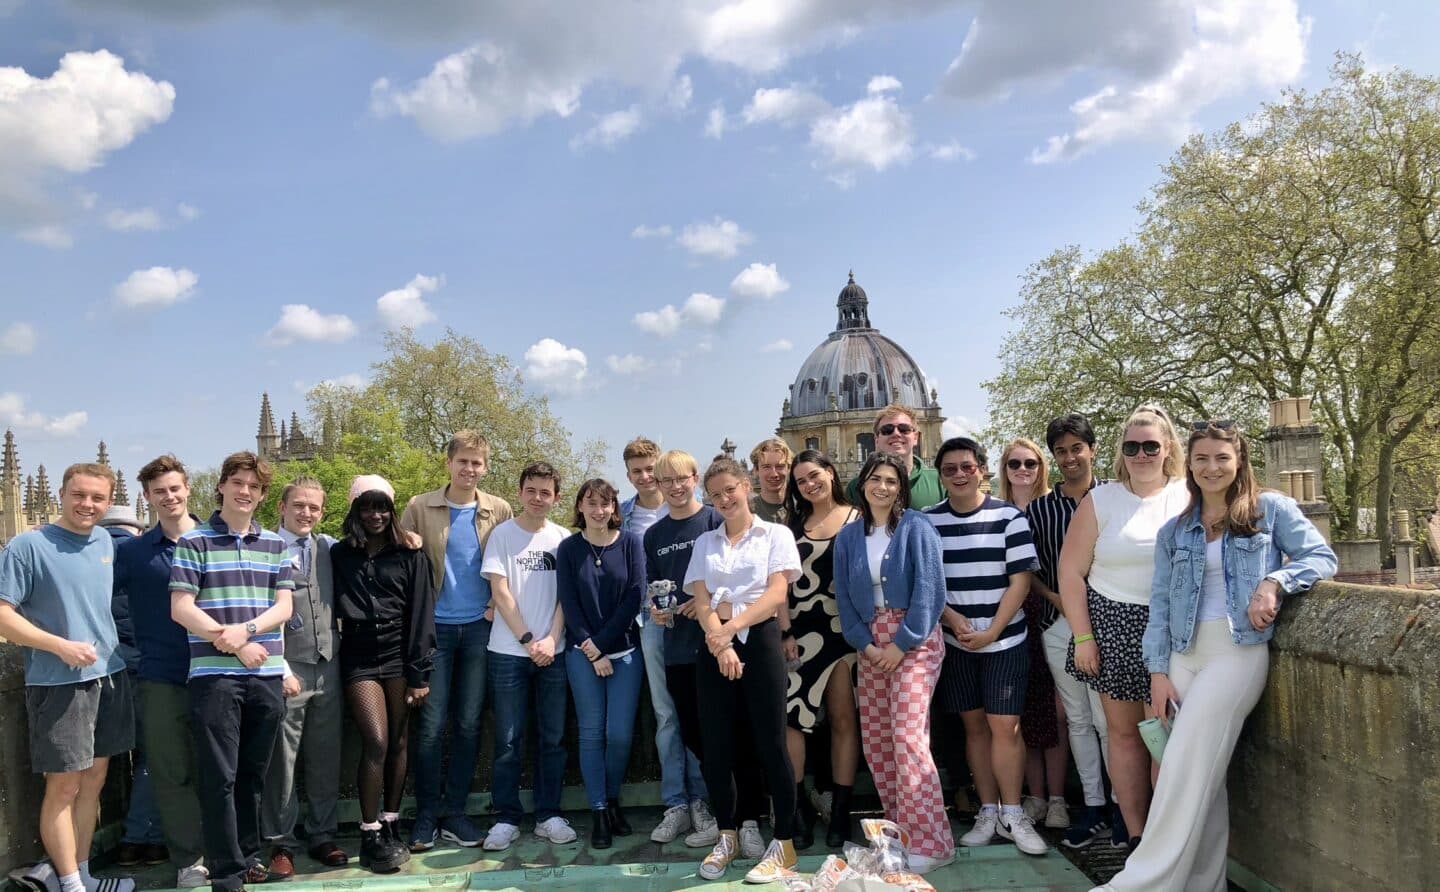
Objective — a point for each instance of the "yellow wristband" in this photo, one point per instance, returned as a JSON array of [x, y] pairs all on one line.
[[1081, 639]]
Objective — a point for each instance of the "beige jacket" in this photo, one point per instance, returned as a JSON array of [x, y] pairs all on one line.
[[428, 515]]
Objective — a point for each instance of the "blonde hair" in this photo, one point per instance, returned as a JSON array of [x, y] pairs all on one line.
[[677, 462], [89, 469], [1151, 415], [1042, 478], [895, 409], [774, 444], [467, 439]]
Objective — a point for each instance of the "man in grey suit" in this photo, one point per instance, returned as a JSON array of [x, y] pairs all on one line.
[[314, 704]]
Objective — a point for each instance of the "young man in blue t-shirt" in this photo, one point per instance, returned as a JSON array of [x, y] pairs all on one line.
[[55, 590], [454, 523]]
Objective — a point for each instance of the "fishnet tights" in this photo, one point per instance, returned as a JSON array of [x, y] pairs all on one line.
[[380, 713]]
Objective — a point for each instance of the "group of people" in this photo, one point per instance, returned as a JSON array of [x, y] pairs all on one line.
[[757, 616]]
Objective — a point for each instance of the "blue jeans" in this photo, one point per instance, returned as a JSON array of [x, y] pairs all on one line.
[[680, 778], [457, 696], [514, 683], [605, 708]]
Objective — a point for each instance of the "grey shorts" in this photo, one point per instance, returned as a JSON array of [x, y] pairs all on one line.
[[72, 725]]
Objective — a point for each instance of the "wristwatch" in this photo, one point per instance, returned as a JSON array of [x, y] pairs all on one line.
[[251, 629], [527, 638]]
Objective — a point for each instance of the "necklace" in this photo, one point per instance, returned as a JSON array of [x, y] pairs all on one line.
[[596, 553]]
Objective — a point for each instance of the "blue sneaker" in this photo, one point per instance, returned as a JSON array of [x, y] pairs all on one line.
[[422, 835], [461, 831], [1087, 829], [1119, 833]]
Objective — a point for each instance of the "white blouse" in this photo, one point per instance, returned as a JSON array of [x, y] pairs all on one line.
[[737, 574]]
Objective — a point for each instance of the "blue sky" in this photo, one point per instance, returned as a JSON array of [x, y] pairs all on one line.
[[201, 201]]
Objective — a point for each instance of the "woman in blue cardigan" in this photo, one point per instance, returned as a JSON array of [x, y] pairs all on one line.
[[890, 584]]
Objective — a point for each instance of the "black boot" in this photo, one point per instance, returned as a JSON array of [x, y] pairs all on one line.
[[600, 836], [804, 836], [378, 853], [618, 825], [839, 831]]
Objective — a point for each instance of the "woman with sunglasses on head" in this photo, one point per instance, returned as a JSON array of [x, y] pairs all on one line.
[[738, 576], [1025, 477], [385, 602], [1222, 569], [890, 585], [1106, 566], [811, 634]]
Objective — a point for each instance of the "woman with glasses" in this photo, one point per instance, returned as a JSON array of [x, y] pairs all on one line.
[[1106, 567], [890, 584], [822, 682], [1025, 477], [738, 576], [1221, 569]]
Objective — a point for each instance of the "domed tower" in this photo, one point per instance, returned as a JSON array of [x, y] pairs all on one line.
[[847, 380]]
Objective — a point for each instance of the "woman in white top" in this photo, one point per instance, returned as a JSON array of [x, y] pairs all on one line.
[[738, 576], [1106, 567]]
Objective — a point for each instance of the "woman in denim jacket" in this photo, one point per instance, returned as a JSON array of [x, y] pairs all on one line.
[[1220, 578], [890, 587]]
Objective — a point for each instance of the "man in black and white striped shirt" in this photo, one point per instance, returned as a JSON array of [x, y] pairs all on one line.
[[989, 559]]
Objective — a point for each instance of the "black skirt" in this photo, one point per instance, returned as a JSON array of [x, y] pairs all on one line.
[[372, 651]]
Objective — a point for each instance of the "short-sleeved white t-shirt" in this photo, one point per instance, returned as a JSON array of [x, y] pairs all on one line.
[[527, 561], [738, 574]]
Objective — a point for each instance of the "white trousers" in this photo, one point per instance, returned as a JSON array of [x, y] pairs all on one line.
[[1188, 831], [1089, 740]]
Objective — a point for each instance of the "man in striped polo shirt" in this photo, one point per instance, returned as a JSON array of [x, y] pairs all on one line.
[[989, 558], [230, 587]]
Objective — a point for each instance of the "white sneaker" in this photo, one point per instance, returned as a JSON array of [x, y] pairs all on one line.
[[706, 831], [556, 829], [716, 863], [192, 877], [775, 866], [674, 822], [923, 864], [1034, 806], [1057, 814], [983, 831], [1020, 829], [752, 844], [501, 837]]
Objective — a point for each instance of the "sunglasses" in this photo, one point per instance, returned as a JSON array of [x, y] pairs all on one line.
[[1132, 448], [1028, 464], [888, 429], [1224, 424], [965, 468]]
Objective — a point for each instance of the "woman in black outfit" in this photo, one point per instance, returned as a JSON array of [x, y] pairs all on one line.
[[385, 601]]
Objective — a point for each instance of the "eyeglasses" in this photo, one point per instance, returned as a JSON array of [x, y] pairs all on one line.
[[668, 482], [1132, 448], [729, 492], [1028, 464], [1224, 424], [888, 429], [965, 468]]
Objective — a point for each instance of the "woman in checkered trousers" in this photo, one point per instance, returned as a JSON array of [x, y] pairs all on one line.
[[890, 583]]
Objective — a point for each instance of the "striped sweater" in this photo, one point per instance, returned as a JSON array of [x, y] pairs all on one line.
[[234, 579]]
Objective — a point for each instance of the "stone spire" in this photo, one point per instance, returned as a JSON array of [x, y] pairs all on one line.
[[44, 500], [853, 305], [122, 495], [103, 458], [10, 465], [329, 436], [29, 495], [284, 437], [267, 442]]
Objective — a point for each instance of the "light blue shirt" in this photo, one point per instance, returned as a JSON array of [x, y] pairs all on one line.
[[464, 593]]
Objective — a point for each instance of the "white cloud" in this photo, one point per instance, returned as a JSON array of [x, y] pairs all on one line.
[[883, 83], [643, 232], [18, 338], [299, 322], [555, 366], [718, 238], [629, 364], [780, 346], [144, 219], [959, 426], [715, 121], [759, 280], [611, 130], [874, 132], [187, 211], [15, 412], [951, 151], [156, 287], [681, 92], [405, 307], [785, 106], [700, 309], [50, 235], [68, 123], [350, 381]]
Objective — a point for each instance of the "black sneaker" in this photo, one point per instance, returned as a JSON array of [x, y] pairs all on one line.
[[1087, 829], [379, 853], [1119, 833]]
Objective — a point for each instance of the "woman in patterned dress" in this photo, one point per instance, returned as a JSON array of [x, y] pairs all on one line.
[[823, 681]]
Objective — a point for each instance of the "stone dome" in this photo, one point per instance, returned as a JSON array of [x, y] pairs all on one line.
[[861, 367]]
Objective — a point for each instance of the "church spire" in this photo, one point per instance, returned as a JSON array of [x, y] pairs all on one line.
[[10, 465], [267, 441], [122, 495], [854, 307], [103, 458]]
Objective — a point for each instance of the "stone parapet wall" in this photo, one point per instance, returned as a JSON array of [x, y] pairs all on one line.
[[1336, 781]]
